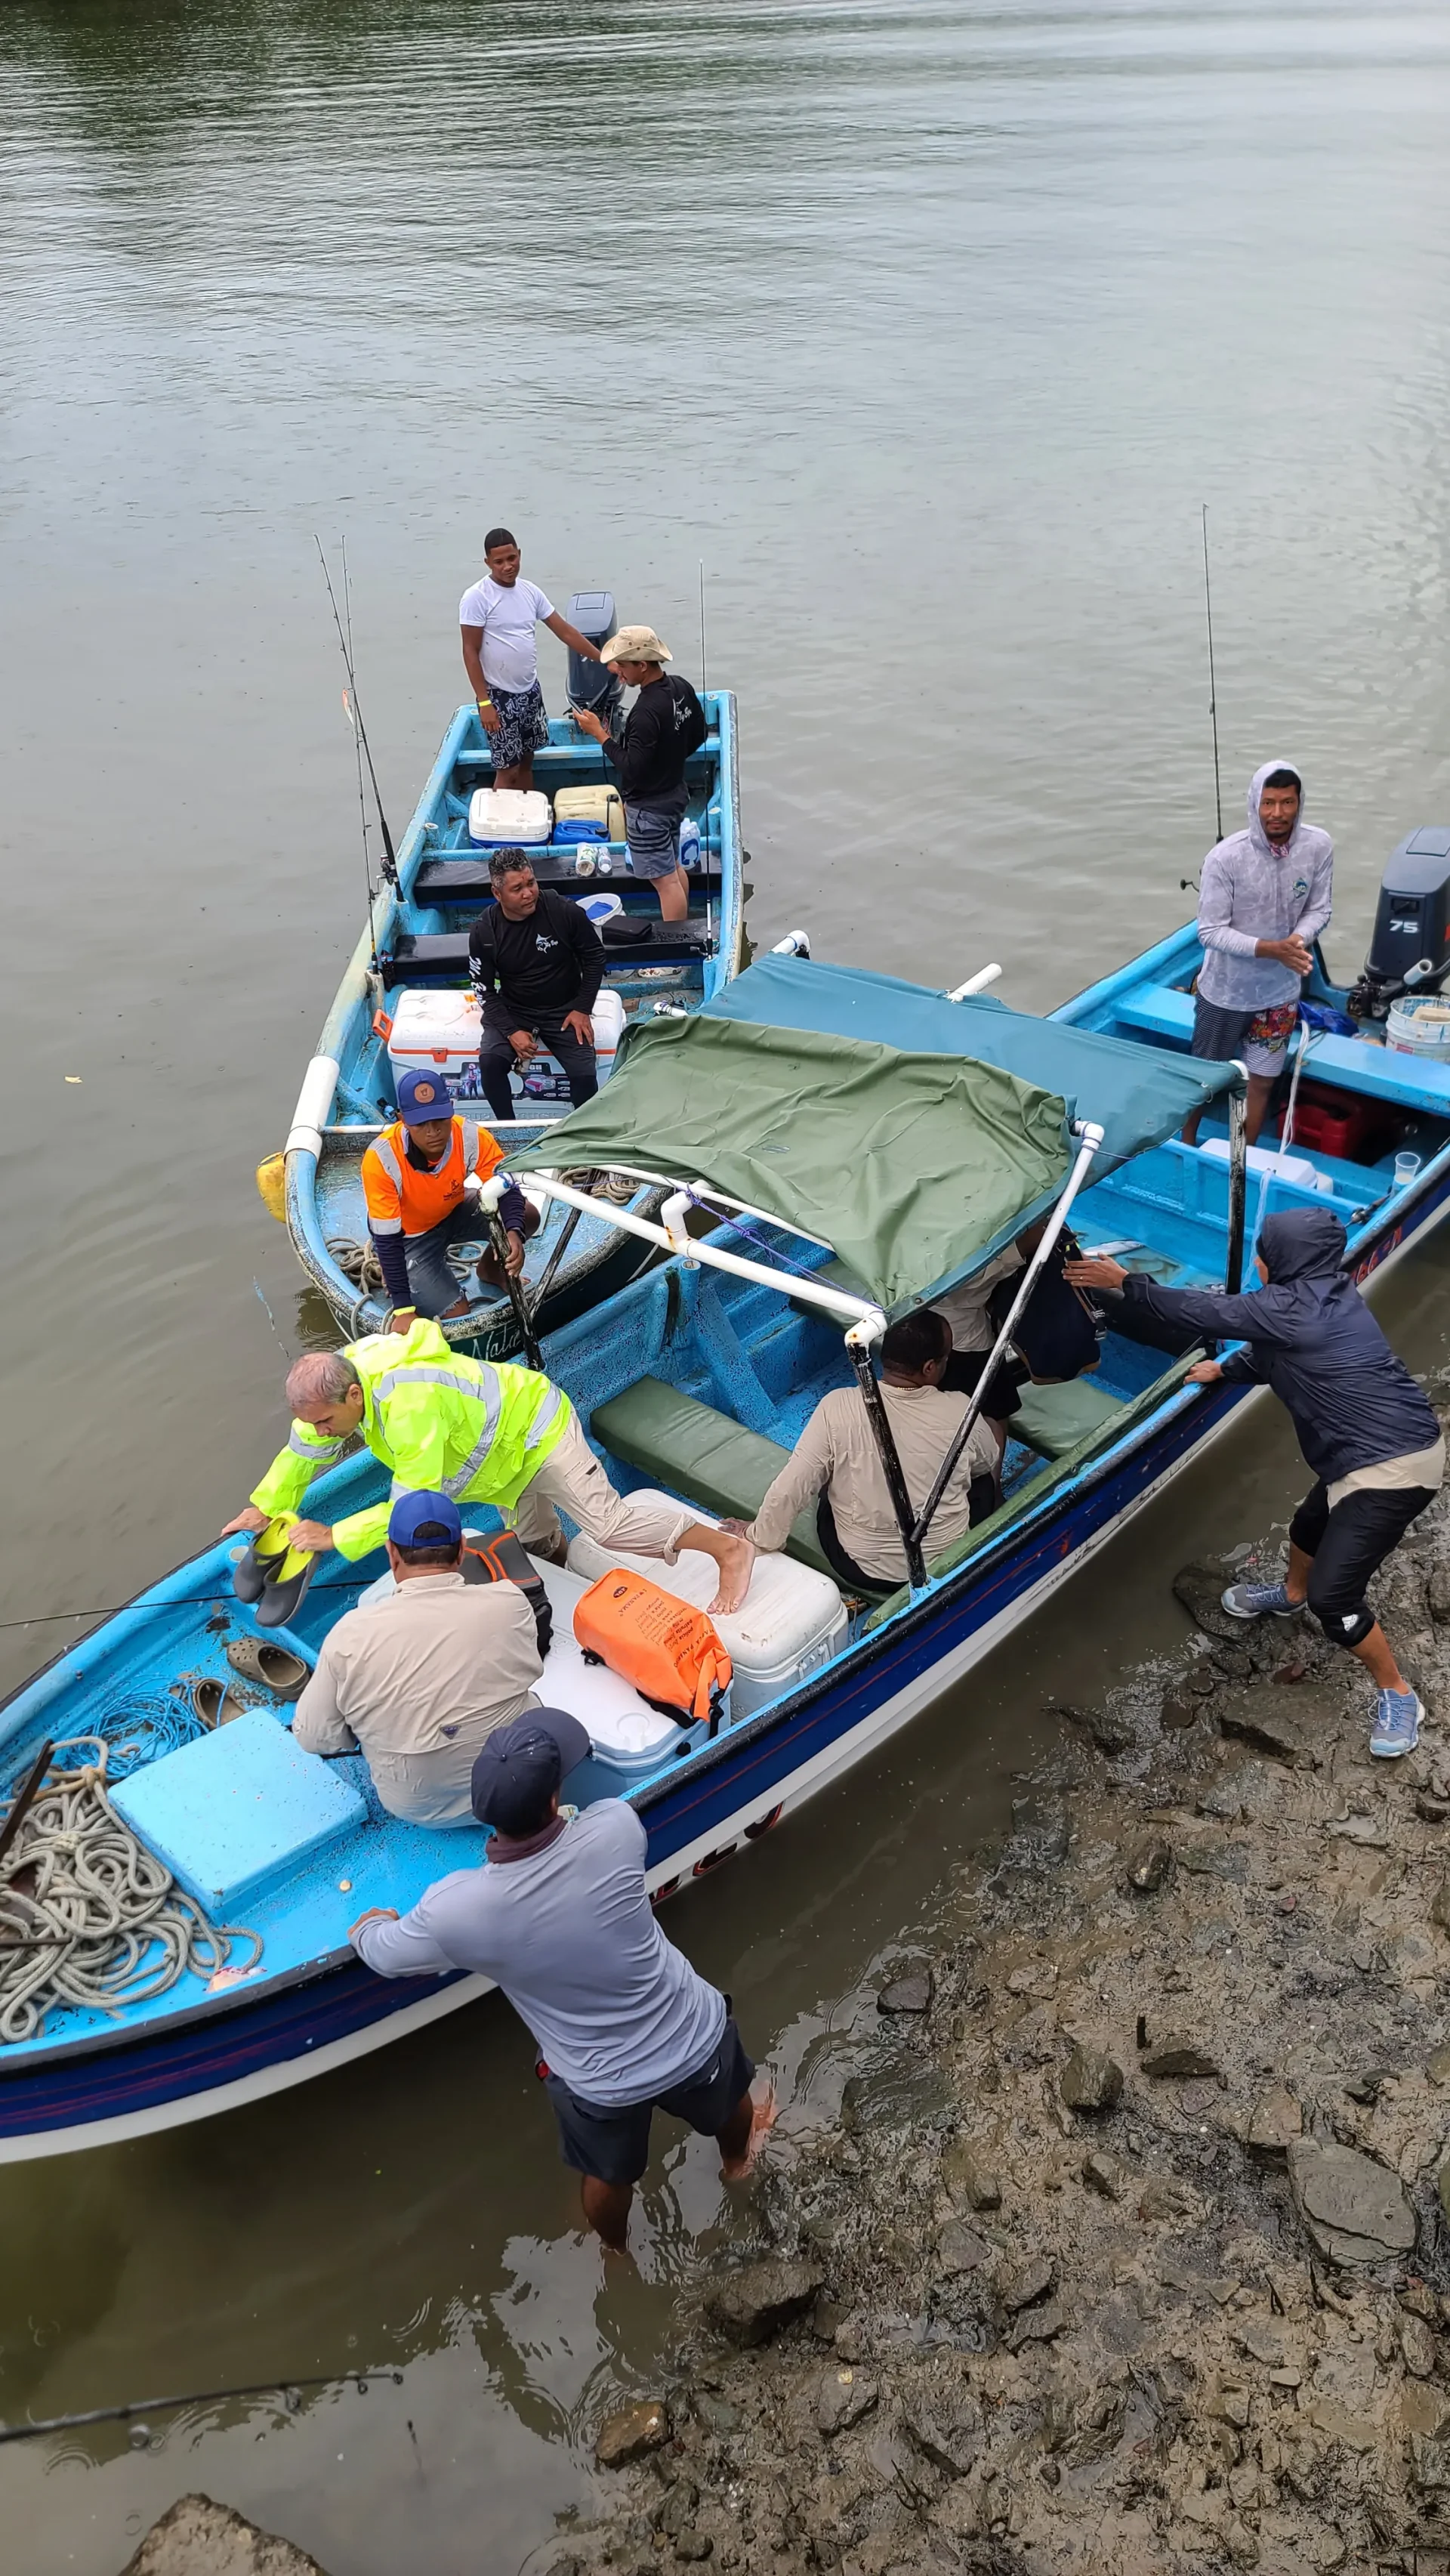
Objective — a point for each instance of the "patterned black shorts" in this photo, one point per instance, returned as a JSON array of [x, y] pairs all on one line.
[[523, 725]]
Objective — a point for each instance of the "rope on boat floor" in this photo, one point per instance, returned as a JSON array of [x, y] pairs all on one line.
[[90, 1920], [357, 1262]]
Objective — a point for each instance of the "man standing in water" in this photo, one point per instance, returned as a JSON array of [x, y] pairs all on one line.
[[1264, 897], [497, 618], [557, 1913], [1364, 1426]]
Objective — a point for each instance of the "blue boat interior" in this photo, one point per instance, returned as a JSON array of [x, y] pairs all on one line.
[[444, 887], [696, 1382]]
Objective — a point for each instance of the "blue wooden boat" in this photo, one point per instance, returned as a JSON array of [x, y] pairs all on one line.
[[415, 943], [696, 1377]]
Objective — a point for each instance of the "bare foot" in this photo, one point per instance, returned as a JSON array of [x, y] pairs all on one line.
[[762, 2121], [736, 1557]]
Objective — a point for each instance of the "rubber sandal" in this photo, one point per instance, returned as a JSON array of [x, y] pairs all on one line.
[[216, 1703], [277, 1669], [257, 1562], [282, 1592]]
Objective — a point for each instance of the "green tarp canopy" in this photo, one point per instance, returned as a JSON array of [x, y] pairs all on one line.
[[913, 1158]]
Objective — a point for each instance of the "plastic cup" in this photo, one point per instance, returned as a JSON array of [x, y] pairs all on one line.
[[1406, 1166]]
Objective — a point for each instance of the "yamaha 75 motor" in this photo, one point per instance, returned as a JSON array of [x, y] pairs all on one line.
[[1410, 950], [590, 685]]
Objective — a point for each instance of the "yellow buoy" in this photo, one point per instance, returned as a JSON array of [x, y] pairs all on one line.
[[272, 1184]]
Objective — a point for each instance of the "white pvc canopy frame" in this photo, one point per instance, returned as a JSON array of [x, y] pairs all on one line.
[[865, 1321]]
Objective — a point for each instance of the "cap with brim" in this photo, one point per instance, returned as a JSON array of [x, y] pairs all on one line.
[[425, 1520], [635, 644], [522, 1764], [423, 1097]]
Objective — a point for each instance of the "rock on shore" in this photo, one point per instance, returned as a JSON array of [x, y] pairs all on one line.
[[1131, 2251], [199, 2538]]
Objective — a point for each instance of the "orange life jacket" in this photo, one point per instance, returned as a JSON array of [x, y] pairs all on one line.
[[668, 1649], [401, 1199]]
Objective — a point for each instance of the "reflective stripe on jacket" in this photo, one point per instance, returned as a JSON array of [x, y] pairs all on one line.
[[401, 1199], [441, 1423]]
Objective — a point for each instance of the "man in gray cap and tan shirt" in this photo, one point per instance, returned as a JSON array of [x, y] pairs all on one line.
[[665, 724]]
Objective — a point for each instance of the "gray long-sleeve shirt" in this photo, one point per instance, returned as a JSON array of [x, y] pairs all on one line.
[[1251, 890], [570, 1936]]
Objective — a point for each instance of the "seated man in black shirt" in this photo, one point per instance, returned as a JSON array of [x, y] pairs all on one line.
[[537, 965], [665, 724]]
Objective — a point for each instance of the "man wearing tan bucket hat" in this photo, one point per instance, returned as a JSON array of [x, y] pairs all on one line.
[[665, 724]]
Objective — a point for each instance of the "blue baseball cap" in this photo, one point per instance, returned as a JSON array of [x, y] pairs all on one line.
[[425, 1520], [521, 1766], [422, 1096]]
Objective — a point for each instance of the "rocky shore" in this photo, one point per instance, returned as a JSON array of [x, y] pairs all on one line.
[[1129, 2251]]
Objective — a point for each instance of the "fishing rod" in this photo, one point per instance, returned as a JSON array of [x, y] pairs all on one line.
[[285, 2388], [354, 713], [1212, 683], [702, 625]]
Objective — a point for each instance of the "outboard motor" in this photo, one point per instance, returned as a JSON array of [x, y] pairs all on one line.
[[1410, 950], [590, 685]]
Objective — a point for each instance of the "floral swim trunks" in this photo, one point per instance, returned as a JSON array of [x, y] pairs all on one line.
[[1258, 1039], [523, 725]]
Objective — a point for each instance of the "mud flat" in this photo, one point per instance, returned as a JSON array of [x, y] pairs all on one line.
[[1130, 2249]]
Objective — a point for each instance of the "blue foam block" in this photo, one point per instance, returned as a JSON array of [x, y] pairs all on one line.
[[239, 1806]]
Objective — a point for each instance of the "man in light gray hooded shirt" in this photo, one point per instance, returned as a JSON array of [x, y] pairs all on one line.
[[1264, 897]]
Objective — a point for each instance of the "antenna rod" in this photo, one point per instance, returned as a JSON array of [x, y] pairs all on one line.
[[1212, 683], [702, 625], [390, 861]]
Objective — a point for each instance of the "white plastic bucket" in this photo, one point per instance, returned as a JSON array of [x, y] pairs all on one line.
[[1420, 1028]]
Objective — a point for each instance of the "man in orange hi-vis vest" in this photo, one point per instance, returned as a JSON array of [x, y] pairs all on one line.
[[414, 1179]]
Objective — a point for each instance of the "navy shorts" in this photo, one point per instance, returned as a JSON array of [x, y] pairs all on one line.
[[612, 2144]]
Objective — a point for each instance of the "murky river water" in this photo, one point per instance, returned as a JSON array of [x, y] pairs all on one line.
[[928, 329]]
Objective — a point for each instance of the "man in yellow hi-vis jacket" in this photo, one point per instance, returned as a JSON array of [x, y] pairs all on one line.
[[479, 1431]]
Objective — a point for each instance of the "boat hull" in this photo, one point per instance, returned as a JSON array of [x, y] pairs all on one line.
[[260, 2041]]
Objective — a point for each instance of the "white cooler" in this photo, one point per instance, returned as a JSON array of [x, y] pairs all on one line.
[[793, 1620], [631, 1740], [435, 1031], [439, 1031], [503, 818]]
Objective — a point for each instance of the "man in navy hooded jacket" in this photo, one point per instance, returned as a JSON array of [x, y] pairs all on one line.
[[1367, 1430]]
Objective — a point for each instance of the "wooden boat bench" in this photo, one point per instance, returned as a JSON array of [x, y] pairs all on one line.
[[704, 1456], [466, 880]]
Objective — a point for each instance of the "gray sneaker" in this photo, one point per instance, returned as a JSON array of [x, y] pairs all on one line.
[[1260, 1601]]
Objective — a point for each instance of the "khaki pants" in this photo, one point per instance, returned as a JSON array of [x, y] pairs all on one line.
[[572, 1478]]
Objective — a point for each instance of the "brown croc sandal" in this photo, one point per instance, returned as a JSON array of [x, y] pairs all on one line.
[[277, 1669], [216, 1703]]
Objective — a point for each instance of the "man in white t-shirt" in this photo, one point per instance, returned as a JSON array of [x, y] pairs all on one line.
[[498, 616]]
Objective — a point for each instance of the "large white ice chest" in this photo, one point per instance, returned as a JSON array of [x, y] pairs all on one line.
[[793, 1619]]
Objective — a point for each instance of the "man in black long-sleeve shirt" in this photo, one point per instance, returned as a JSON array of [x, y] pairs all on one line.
[[665, 724], [537, 964]]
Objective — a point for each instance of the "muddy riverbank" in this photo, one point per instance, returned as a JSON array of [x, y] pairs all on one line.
[[1127, 2251]]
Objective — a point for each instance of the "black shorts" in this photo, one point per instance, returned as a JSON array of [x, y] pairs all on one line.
[[1349, 1545], [613, 2144], [1001, 1401]]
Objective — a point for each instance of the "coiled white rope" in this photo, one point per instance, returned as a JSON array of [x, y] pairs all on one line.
[[89, 1919]]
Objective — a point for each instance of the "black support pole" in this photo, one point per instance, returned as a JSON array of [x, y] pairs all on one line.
[[884, 1438]]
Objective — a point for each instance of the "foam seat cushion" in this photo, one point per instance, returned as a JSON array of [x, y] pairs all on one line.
[[700, 1454], [1054, 1418]]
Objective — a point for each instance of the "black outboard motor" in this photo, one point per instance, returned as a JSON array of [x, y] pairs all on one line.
[[1410, 950], [590, 685]]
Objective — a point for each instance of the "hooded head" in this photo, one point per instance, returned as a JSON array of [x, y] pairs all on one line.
[[1257, 833], [1302, 1243]]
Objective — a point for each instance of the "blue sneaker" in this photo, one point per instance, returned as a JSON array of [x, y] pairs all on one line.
[[1260, 1601], [1395, 1728]]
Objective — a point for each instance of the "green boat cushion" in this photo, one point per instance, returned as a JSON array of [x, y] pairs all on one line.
[[701, 1455], [1054, 1419]]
